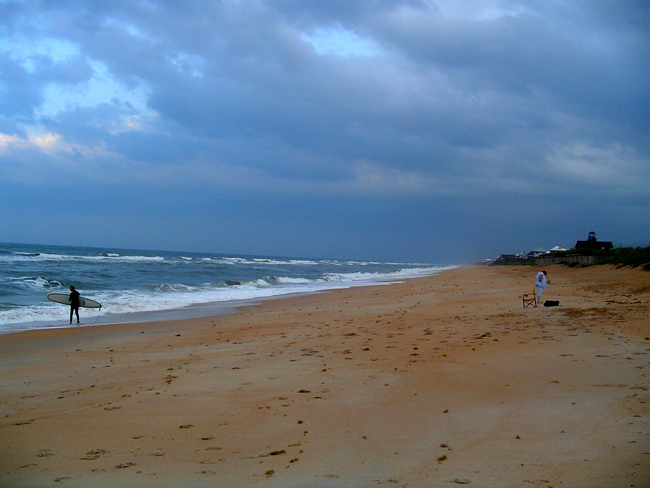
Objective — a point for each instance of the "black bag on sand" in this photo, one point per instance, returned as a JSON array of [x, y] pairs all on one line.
[[551, 303]]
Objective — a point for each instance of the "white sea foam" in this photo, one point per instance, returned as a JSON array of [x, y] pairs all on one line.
[[128, 282], [268, 261], [31, 257], [178, 296], [31, 282]]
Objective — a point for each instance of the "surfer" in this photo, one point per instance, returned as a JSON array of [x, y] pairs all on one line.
[[74, 303]]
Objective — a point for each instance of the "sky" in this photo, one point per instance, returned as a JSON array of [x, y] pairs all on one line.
[[443, 132]]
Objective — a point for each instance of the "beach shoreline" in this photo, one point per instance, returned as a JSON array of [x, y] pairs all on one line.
[[432, 381], [92, 317], [147, 286]]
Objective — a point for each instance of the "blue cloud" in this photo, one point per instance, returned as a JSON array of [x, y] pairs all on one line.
[[461, 116]]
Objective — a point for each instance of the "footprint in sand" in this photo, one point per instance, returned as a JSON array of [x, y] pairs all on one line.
[[25, 422], [92, 455]]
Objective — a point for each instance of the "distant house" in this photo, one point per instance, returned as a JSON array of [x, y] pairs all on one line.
[[557, 248], [535, 253], [594, 244], [507, 257]]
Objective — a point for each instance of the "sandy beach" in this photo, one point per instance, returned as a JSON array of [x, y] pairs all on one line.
[[433, 382]]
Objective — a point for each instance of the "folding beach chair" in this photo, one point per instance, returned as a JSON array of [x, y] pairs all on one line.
[[529, 299]]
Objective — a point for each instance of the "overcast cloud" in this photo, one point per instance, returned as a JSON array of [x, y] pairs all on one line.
[[439, 131]]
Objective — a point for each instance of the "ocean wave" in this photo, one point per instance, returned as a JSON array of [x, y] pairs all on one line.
[[126, 281], [178, 297], [21, 257], [268, 261], [31, 282], [167, 288], [360, 276], [293, 262], [293, 281]]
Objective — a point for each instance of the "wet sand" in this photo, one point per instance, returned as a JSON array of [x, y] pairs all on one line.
[[434, 382]]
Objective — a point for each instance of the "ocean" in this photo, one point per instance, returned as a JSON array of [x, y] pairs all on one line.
[[138, 285]]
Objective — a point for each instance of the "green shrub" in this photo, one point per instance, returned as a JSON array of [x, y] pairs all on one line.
[[628, 256]]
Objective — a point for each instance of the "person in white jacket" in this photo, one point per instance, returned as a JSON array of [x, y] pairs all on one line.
[[540, 284]]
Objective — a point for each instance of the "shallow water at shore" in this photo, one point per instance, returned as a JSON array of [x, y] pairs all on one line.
[[140, 285]]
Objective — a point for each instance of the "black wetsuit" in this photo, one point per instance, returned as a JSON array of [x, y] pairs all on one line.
[[74, 304]]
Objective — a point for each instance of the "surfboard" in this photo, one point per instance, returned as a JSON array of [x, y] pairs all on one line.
[[64, 298]]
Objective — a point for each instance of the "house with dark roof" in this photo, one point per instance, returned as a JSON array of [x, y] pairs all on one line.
[[594, 244]]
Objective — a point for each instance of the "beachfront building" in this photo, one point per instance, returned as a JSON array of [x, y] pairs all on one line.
[[516, 258], [594, 244], [507, 257], [535, 253], [557, 248]]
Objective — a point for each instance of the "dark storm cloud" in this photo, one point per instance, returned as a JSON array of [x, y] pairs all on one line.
[[464, 103]]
